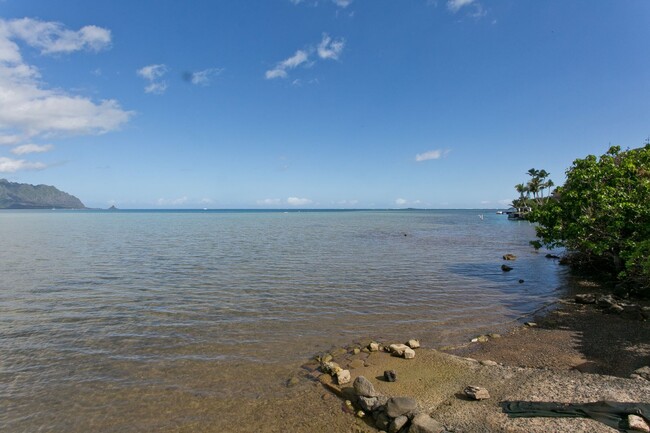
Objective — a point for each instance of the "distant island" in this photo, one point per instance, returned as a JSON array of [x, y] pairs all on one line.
[[25, 196]]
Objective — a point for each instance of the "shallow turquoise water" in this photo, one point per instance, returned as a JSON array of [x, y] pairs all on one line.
[[99, 304]]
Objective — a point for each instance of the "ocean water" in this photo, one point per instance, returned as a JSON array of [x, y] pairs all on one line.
[[148, 320]]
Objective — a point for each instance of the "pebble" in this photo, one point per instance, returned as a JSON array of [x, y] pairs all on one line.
[[343, 377], [509, 257], [637, 423], [409, 353], [476, 393], [373, 347], [390, 375], [488, 363], [361, 414], [413, 344], [506, 268], [356, 350], [530, 324], [398, 349]]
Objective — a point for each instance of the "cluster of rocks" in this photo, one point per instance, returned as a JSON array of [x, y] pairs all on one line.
[[392, 414], [614, 305], [642, 373], [343, 376], [485, 338]]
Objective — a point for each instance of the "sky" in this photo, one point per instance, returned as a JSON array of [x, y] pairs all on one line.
[[315, 103]]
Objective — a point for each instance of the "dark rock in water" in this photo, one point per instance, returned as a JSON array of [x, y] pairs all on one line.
[[423, 423], [552, 256], [585, 298], [506, 268], [390, 375], [364, 387], [397, 406], [521, 281], [509, 257]]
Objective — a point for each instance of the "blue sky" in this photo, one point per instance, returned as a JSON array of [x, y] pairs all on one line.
[[315, 104]]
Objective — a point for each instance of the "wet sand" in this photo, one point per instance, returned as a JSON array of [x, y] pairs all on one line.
[[576, 353]]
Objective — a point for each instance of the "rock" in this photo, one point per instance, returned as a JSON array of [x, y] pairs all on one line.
[[397, 406], [357, 363], [476, 393], [397, 424], [423, 423], [373, 347], [293, 381], [530, 324], [413, 344], [521, 281], [368, 403], [552, 256], [409, 353], [356, 351], [506, 268], [343, 377], [488, 363], [326, 358], [606, 301], [364, 388], [390, 375], [643, 372], [361, 414], [398, 349], [509, 257], [482, 338], [615, 309], [585, 298], [382, 421], [330, 368], [494, 336], [637, 423]]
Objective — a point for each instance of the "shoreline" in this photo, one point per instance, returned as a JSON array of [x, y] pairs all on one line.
[[572, 353]]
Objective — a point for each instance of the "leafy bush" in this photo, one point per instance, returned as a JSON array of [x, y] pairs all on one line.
[[602, 215]]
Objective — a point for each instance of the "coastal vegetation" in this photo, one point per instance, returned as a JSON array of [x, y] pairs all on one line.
[[601, 215], [25, 196], [531, 194]]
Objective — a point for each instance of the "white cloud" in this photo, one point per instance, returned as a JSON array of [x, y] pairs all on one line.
[[172, 202], [342, 3], [8, 165], [329, 48], [27, 108], [269, 202], [202, 78], [296, 201], [153, 74], [31, 148], [280, 70], [456, 5], [401, 201], [10, 139], [431, 154], [53, 37]]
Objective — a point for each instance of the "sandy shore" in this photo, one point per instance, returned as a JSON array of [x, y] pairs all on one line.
[[576, 353]]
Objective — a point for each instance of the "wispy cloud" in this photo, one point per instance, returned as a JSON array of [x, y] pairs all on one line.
[[28, 108], [31, 148], [431, 154], [269, 202], [296, 201], [202, 78], [342, 3], [456, 5], [330, 48], [172, 201], [327, 49], [53, 37], [280, 70], [8, 165], [153, 75]]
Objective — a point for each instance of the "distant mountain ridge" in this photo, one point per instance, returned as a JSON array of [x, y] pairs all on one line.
[[25, 196]]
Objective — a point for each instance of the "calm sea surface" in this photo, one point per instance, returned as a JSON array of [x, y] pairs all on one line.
[[117, 321]]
